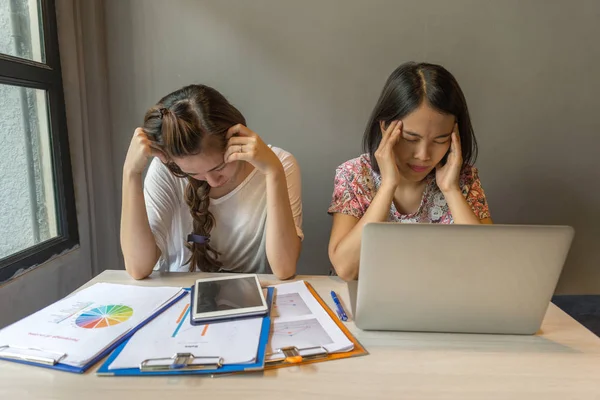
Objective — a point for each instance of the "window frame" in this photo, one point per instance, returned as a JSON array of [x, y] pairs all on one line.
[[46, 76]]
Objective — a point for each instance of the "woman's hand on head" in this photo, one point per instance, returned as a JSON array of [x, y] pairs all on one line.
[[140, 151], [386, 158], [447, 175], [245, 145]]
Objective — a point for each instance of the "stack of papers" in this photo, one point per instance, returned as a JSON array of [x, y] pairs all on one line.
[[76, 330], [300, 321], [236, 341]]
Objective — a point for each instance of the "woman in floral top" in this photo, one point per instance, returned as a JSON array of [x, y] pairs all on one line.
[[418, 167]]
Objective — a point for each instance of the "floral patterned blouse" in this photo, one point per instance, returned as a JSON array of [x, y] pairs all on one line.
[[356, 184]]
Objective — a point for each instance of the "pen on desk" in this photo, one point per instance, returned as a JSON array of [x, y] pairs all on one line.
[[340, 310]]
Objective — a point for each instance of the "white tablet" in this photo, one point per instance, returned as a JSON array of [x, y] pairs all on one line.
[[227, 297]]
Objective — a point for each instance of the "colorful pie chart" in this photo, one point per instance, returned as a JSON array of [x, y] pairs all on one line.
[[101, 317]]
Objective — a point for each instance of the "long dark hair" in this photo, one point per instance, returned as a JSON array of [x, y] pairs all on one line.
[[404, 91], [177, 125]]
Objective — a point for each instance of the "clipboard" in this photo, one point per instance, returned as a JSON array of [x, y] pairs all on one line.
[[292, 356], [188, 364], [51, 359]]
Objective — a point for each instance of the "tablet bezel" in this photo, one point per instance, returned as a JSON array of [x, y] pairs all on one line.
[[226, 313]]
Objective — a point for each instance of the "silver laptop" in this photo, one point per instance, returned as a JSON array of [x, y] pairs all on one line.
[[457, 278]]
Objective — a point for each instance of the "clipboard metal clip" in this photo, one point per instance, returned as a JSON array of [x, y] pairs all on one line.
[[293, 355], [31, 354], [181, 362]]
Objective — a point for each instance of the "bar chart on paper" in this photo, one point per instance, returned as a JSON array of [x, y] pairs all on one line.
[[183, 325], [63, 314], [301, 333], [290, 305]]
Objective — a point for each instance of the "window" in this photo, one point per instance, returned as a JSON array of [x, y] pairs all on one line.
[[37, 203]]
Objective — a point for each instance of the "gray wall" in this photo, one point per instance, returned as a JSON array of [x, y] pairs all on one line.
[[307, 73]]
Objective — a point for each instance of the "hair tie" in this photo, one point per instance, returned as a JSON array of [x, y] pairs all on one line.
[[198, 239], [163, 111]]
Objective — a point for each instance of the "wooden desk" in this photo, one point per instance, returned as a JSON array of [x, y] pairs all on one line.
[[562, 362]]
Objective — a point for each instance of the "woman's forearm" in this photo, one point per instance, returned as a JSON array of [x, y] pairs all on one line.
[[282, 243], [345, 256], [137, 241]]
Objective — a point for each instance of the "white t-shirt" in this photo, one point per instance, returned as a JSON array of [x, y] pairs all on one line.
[[240, 216]]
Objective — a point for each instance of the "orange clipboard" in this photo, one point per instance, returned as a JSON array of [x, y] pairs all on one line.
[[291, 355]]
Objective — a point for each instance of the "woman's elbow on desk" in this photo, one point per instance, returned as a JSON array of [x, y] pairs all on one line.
[[347, 274], [345, 271], [284, 272], [137, 272], [284, 277]]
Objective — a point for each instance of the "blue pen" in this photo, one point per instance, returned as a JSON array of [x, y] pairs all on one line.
[[340, 310]]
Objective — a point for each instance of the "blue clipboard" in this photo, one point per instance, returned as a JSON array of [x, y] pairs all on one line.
[[179, 369], [79, 370]]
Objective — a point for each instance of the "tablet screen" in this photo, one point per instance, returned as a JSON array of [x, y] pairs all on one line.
[[227, 294]]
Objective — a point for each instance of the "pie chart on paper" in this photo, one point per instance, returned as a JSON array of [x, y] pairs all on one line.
[[104, 316]]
